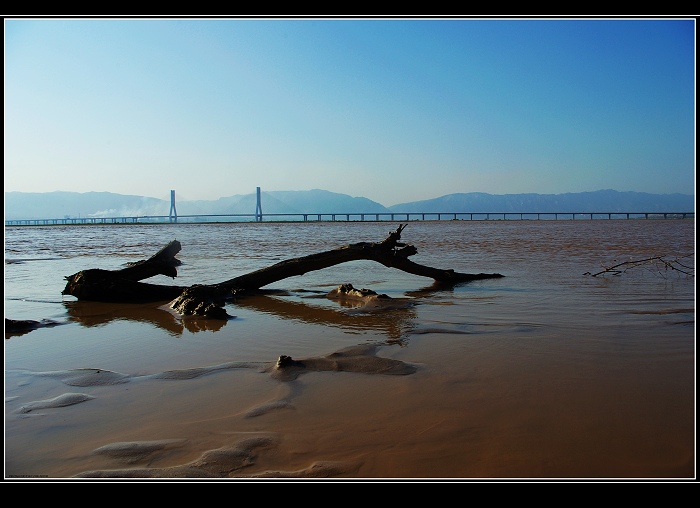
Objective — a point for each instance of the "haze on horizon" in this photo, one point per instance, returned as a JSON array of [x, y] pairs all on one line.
[[395, 110]]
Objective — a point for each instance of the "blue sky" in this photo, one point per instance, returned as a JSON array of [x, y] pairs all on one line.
[[392, 110]]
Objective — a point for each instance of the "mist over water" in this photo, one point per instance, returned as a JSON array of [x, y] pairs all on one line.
[[546, 372]]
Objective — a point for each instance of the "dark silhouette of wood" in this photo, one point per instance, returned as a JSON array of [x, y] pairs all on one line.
[[208, 300], [123, 285], [658, 264], [22, 326]]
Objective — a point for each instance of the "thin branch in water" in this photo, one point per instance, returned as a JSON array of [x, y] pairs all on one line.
[[656, 264]]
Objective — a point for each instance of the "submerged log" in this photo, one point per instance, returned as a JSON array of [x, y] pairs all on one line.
[[208, 300]]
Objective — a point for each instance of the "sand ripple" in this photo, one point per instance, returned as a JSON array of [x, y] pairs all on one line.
[[136, 451], [228, 461], [224, 462], [67, 399], [201, 371], [87, 377], [361, 358]]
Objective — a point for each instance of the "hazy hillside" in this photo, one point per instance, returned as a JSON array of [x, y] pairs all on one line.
[[599, 201], [48, 205], [23, 205], [321, 201], [311, 201]]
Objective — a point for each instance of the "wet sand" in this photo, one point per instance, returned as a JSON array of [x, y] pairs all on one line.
[[365, 411]]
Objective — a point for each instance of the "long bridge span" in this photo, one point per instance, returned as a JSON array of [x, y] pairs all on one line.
[[347, 217]]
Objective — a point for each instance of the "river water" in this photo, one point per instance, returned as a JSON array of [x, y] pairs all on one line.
[[547, 372]]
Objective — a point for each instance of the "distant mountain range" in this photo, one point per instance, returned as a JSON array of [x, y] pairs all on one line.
[[50, 205]]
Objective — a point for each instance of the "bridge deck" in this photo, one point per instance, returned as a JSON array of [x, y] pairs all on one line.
[[332, 217]]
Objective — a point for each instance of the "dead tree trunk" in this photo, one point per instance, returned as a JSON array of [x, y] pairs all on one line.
[[124, 286]]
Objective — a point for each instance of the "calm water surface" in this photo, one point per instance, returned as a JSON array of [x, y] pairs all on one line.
[[545, 373]]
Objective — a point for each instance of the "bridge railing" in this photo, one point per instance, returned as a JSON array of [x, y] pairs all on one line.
[[347, 217]]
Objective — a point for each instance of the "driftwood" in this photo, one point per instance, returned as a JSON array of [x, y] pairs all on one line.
[[657, 264], [208, 300], [123, 285], [22, 326]]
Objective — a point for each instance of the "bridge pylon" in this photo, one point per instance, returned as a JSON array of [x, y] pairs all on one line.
[[258, 209], [173, 212]]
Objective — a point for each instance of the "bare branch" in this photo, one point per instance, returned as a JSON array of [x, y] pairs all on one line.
[[657, 263]]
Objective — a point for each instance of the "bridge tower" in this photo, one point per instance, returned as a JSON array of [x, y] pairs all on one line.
[[173, 211], [258, 209]]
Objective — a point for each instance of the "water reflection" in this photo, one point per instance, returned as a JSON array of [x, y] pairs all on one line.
[[94, 314], [394, 321], [437, 287]]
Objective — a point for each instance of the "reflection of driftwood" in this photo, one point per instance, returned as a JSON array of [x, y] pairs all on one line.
[[208, 300], [156, 314], [393, 324]]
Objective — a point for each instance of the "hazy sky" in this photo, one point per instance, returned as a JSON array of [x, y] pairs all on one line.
[[393, 110]]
